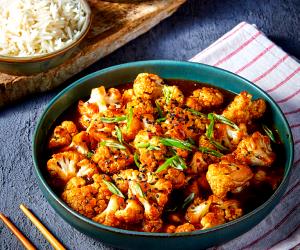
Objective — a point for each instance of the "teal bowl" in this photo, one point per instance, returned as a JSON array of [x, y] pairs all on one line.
[[124, 73]]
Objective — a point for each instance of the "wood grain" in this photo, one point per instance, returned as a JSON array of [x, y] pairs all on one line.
[[114, 24]]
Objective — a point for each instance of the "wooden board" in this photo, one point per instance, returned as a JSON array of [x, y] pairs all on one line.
[[114, 24]]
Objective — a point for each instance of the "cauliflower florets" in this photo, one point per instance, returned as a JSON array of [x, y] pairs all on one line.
[[123, 177], [182, 124], [99, 130], [205, 98], [108, 216], [255, 150], [111, 159], [229, 136], [186, 227], [153, 226], [132, 213], [175, 176], [62, 135], [140, 106], [82, 143], [227, 176], [197, 210], [172, 97], [242, 109], [86, 169], [130, 131], [87, 199], [63, 166], [148, 86], [151, 151]]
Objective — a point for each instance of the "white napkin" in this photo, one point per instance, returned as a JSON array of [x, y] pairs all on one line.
[[247, 52]]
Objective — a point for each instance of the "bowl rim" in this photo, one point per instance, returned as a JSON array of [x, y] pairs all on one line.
[[44, 57], [84, 219]]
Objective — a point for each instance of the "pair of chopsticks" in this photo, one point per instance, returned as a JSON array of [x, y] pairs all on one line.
[[26, 243]]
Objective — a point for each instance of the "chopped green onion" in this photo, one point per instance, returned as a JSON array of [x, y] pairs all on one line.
[[269, 133], [179, 164], [119, 134], [210, 129], [226, 121], [89, 155], [143, 145], [166, 164], [136, 160], [167, 93], [159, 120], [174, 162], [152, 147], [112, 144], [139, 190], [129, 118], [191, 141], [112, 188], [188, 200], [159, 110], [176, 143], [113, 119], [195, 112], [218, 145], [210, 151]]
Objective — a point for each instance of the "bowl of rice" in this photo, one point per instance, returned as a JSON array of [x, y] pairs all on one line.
[[36, 36]]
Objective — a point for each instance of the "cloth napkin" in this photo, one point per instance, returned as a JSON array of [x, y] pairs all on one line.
[[246, 51]]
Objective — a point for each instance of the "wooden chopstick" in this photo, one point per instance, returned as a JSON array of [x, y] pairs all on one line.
[[52, 240], [26, 243]]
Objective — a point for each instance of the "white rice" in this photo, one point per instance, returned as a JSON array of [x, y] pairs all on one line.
[[36, 27]]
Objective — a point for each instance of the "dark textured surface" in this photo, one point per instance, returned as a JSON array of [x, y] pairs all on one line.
[[196, 25]]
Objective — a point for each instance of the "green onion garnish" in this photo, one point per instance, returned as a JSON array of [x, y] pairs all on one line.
[[129, 118], [175, 162], [195, 112], [112, 188], [210, 129], [143, 145], [119, 134], [152, 147], [226, 121], [159, 120], [112, 144], [176, 143], [159, 110], [218, 145], [113, 119], [269, 133], [89, 155], [136, 160], [210, 151], [191, 141], [139, 190], [167, 93], [188, 200]]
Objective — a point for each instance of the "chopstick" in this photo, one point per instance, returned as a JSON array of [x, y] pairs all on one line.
[[52, 240], [26, 243]]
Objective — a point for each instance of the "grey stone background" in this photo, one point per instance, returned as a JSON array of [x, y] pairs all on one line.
[[196, 25]]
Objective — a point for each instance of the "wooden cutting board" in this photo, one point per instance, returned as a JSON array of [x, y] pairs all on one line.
[[114, 24]]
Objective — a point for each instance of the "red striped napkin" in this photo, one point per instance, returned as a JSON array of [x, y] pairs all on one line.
[[246, 51]]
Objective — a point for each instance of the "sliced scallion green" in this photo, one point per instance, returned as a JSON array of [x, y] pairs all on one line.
[[112, 188], [210, 151], [210, 129], [139, 190], [176, 143], [159, 120], [159, 110], [188, 200], [136, 160], [89, 155], [195, 112], [269, 133], [113, 119], [112, 144], [143, 145], [218, 145], [119, 134], [166, 164], [224, 120]]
